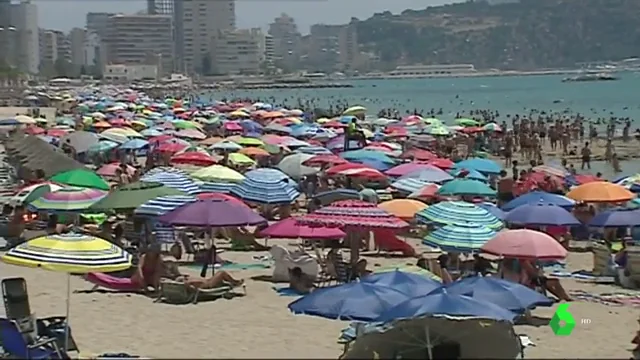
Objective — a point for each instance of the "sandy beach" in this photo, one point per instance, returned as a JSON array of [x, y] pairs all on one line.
[[259, 324]]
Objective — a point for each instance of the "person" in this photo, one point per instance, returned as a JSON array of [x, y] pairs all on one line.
[[299, 281], [353, 133], [505, 188], [53, 228], [14, 229], [218, 279], [586, 156], [481, 266], [533, 277], [150, 269]]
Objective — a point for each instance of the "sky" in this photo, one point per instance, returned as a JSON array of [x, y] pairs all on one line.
[[67, 14]]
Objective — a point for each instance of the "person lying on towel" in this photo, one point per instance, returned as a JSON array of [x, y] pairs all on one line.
[[218, 279]]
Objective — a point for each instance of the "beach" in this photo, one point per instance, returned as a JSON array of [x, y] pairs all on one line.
[[259, 325]]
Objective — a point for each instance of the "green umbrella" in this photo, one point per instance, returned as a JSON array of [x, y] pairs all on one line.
[[81, 178], [466, 187], [133, 195], [467, 122], [437, 130]]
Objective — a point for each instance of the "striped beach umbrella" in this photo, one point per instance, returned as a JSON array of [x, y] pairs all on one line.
[[409, 185], [464, 238], [173, 180], [267, 186], [67, 199], [165, 169], [217, 187], [458, 213], [161, 205]]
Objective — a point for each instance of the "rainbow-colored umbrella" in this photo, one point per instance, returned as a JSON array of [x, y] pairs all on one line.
[[67, 199]]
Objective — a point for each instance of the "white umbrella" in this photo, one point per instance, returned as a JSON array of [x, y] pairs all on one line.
[[292, 165]]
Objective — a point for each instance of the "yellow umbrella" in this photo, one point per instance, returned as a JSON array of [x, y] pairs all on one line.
[[218, 173], [128, 132], [247, 141], [138, 124], [239, 113], [240, 159], [355, 110], [323, 120]]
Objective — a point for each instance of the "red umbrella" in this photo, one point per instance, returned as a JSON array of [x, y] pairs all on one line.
[[586, 178], [160, 139], [351, 169], [442, 163], [525, 244], [336, 170], [290, 229], [324, 159], [419, 154], [472, 130], [352, 213], [171, 147], [426, 192], [34, 130], [110, 169], [193, 158], [57, 132], [334, 124], [119, 122]]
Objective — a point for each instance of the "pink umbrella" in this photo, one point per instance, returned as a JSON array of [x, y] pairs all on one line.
[[191, 134], [404, 169], [525, 244], [232, 126], [290, 229], [110, 169]]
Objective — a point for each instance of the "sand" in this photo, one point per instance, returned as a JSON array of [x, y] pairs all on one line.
[[259, 325]]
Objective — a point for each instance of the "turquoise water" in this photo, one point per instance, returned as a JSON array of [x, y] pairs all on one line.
[[508, 95]]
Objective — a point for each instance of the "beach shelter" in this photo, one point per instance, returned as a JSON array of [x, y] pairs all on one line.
[[525, 244], [81, 141], [289, 228], [405, 209], [459, 187], [292, 165], [81, 178], [212, 213], [173, 180], [69, 253]]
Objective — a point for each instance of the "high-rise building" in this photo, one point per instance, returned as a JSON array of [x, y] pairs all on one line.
[[286, 40], [333, 47], [197, 22], [48, 48], [237, 52], [7, 34], [24, 20], [64, 46], [77, 39], [91, 50], [97, 23], [140, 39], [160, 7]]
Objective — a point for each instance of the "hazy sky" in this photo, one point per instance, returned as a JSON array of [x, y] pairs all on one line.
[[66, 14]]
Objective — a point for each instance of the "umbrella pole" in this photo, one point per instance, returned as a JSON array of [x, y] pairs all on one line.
[[429, 347], [66, 326]]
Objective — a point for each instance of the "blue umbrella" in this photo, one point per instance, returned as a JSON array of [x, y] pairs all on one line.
[[466, 187], [429, 175], [163, 204], [173, 180], [458, 213], [506, 294], [408, 283], [134, 144], [493, 209], [409, 185], [620, 217], [542, 213], [360, 301], [484, 166], [471, 174], [9, 122], [356, 155], [535, 197], [441, 302], [374, 164], [251, 126], [210, 187], [465, 238], [267, 186]]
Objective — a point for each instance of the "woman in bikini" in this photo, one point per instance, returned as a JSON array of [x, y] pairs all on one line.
[[150, 269]]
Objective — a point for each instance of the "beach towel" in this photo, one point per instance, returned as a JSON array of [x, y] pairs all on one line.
[[111, 282], [349, 333], [235, 266], [609, 299], [583, 275], [286, 291], [386, 240]]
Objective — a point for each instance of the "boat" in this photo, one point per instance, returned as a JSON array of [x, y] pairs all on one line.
[[590, 77]]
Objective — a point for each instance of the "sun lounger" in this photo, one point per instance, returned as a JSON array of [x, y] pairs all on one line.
[[111, 282], [176, 292]]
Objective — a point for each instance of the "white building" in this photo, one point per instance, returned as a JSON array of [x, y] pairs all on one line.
[[24, 18], [91, 50], [286, 40], [196, 22], [77, 39], [126, 73], [48, 47], [238, 52]]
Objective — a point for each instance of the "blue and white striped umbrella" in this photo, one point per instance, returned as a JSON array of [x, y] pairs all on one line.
[[165, 169], [409, 185], [217, 187], [466, 238], [174, 180], [163, 204], [313, 150], [458, 213], [267, 186]]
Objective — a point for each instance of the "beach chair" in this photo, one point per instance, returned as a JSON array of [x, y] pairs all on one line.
[[633, 265], [176, 292], [54, 327], [16, 346], [284, 260], [17, 307], [192, 248]]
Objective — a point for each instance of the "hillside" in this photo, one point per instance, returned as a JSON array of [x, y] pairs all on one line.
[[531, 34]]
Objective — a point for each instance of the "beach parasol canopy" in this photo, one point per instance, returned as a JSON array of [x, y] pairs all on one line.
[[421, 171], [355, 110], [458, 213], [289, 228], [358, 301], [542, 214], [81, 178], [218, 173], [81, 141], [493, 209], [464, 238], [212, 213], [484, 166], [112, 169], [327, 197], [506, 294], [266, 186], [409, 185], [405, 209], [536, 197], [411, 284], [466, 187], [67, 199], [162, 205], [620, 217], [29, 193], [370, 155], [173, 180], [292, 165], [600, 191], [131, 196], [525, 244], [352, 213]]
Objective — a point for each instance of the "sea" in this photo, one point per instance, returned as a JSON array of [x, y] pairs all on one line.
[[509, 95]]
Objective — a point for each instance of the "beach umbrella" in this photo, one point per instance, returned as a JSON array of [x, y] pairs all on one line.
[[69, 253], [165, 169], [432, 174], [630, 182], [212, 213], [67, 199], [266, 186], [541, 214], [292, 165], [81, 141], [405, 209], [427, 191], [360, 155], [195, 158], [150, 132], [241, 159], [407, 268], [492, 127], [9, 122], [493, 209], [619, 217], [218, 173], [466, 122], [134, 144], [289, 228], [130, 196], [162, 205], [440, 302], [469, 174], [111, 169], [327, 197], [536, 197], [410, 284], [217, 187], [254, 152], [409, 185], [173, 180], [484, 166], [506, 294], [353, 213], [525, 244], [30, 193], [316, 150], [458, 213], [465, 238], [80, 178], [411, 168], [355, 110], [466, 187], [436, 130], [324, 160], [558, 170], [102, 146], [358, 301], [600, 191]]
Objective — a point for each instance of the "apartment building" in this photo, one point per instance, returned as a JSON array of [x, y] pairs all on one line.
[[24, 21], [197, 21], [91, 50], [140, 39], [333, 47], [286, 40], [77, 39], [48, 47], [160, 7], [7, 34], [97, 23], [238, 52]]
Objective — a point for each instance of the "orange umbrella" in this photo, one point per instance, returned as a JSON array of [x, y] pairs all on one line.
[[405, 209], [254, 152], [210, 141], [101, 124], [600, 191]]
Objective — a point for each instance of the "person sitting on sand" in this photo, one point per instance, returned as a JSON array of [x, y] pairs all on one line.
[[533, 277], [300, 282], [150, 269]]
